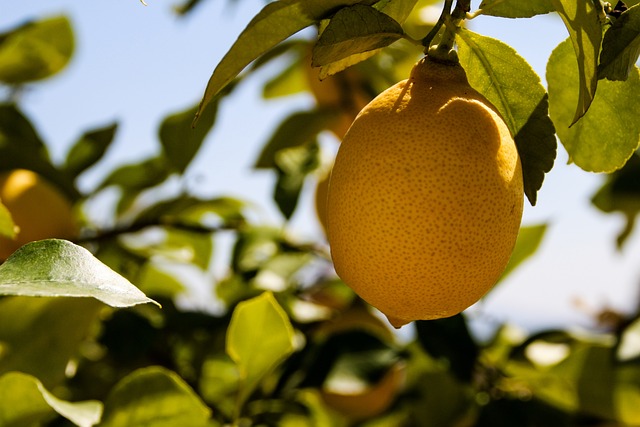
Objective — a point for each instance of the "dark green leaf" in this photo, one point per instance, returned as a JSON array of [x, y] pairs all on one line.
[[89, 149], [35, 50], [621, 193], [294, 164], [516, 8], [606, 137], [621, 46], [57, 268], [24, 401], [298, 129], [180, 140], [154, 397], [527, 243], [139, 176], [450, 339], [354, 30], [259, 337], [273, 24], [21, 147], [31, 328], [585, 31], [496, 70]]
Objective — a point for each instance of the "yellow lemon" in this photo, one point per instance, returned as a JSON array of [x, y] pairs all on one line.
[[38, 209], [425, 197]]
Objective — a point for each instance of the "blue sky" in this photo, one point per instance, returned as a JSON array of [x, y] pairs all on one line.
[[136, 64]]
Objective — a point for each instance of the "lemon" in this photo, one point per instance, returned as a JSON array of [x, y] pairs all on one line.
[[39, 210], [425, 197]]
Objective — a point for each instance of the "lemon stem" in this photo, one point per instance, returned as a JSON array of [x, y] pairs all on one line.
[[444, 51], [446, 11]]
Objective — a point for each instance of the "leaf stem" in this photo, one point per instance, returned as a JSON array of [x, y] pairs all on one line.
[[444, 51], [446, 11]]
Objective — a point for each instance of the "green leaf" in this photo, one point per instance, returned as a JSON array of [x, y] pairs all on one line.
[[155, 281], [396, 10], [353, 30], [154, 397], [294, 164], [527, 243], [56, 267], [7, 227], [585, 31], [621, 192], [298, 129], [89, 149], [25, 401], [290, 81], [516, 8], [497, 71], [273, 24], [35, 50], [55, 327], [606, 137], [22, 147], [259, 337], [180, 140], [621, 46], [139, 176]]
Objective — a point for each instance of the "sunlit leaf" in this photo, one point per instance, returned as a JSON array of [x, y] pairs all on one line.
[[527, 243], [25, 401], [219, 382], [33, 327], [260, 336], [585, 32], [180, 140], [35, 50], [273, 24], [154, 397], [89, 149], [621, 46], [609, 133], [155, 281], [7, 227], [496, 70], [516, 8], [56, 267], [290, 81], [353, 30]]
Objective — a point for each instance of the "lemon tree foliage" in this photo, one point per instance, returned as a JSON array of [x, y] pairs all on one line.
[[276, 338]]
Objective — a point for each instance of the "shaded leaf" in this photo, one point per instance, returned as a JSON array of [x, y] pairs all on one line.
[[496, 70], [180, 140], [296, 130], [353, 30], [450, 339], [56, 267], [55, 327], [154, 397], [259, 337], [516, 8], [89, 149], [621, 46], [585, 31], [139, 176], [35, 50], [621, 193], [273, 24], [605, 138], [25, 401], [294, 164], [527, 243], [396, 10], [7, 227], [22, 147]]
